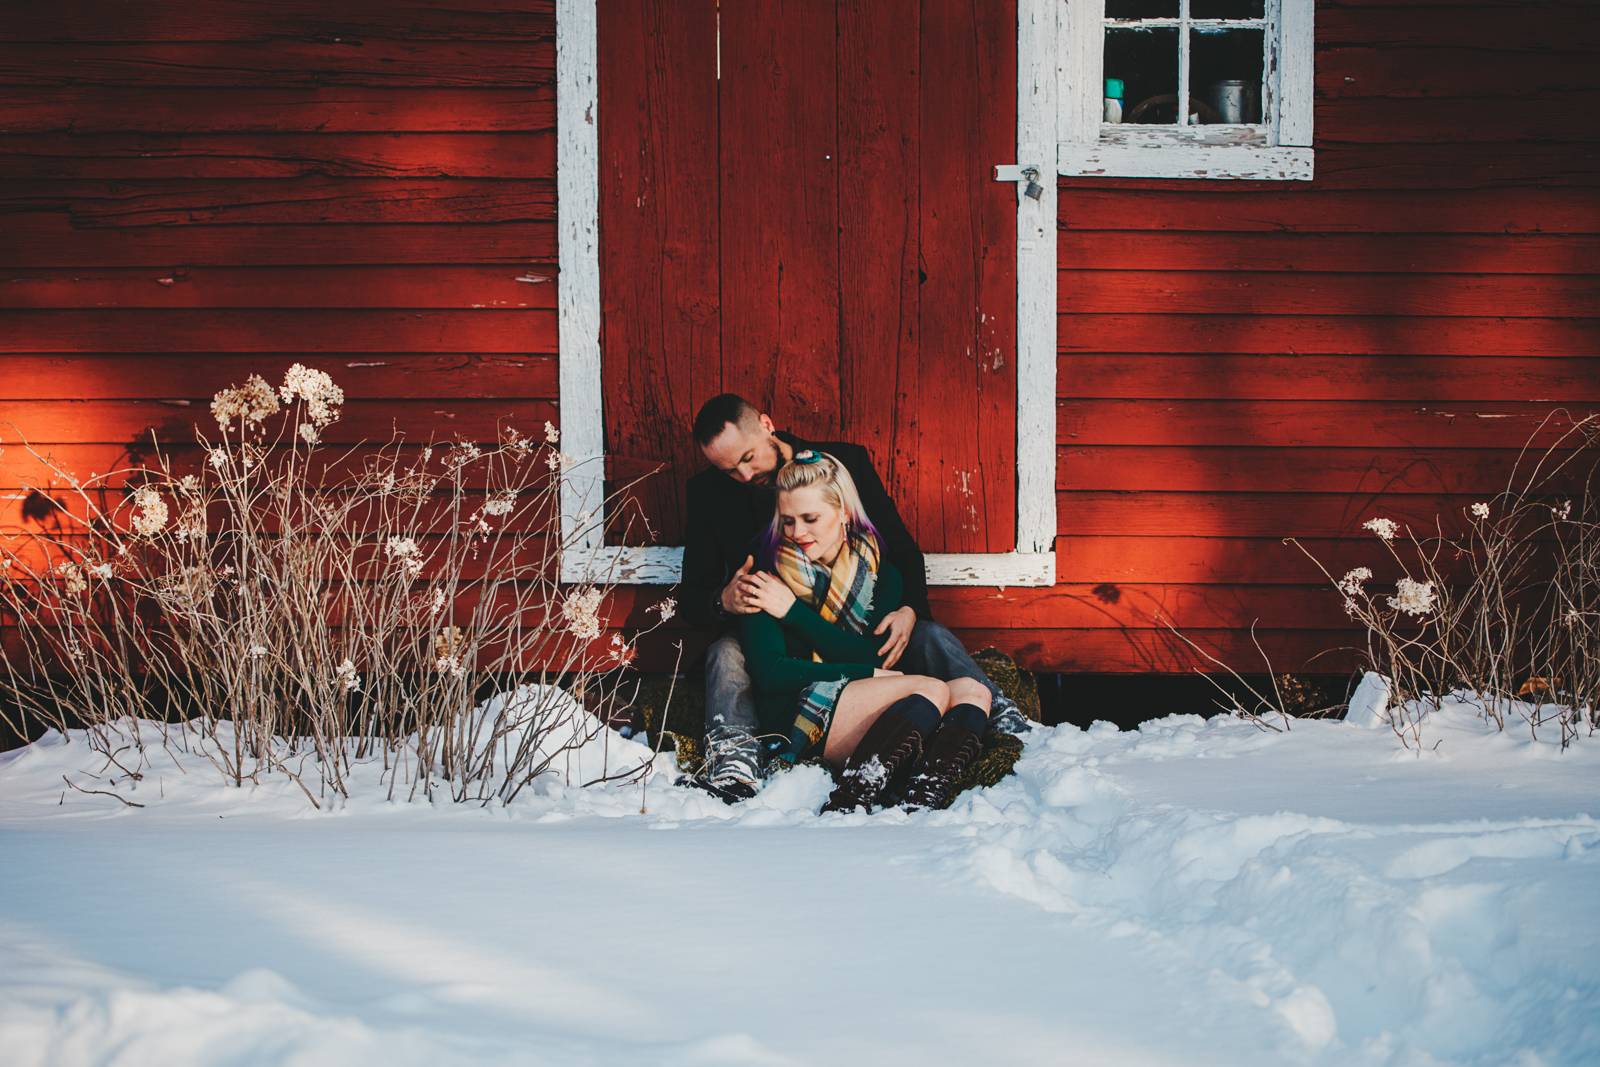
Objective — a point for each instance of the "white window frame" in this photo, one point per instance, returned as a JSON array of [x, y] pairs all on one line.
[[1280, 149], [1032, 562]]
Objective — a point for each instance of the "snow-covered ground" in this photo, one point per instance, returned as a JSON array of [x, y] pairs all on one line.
[[1191, 893]]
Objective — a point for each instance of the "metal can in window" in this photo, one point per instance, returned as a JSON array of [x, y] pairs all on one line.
[[1235, 101]]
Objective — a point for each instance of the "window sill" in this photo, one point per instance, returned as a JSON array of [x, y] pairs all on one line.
[[1179, 160]]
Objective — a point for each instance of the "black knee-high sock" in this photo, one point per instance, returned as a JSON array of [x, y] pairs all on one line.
[[968, 717], [917, 711]]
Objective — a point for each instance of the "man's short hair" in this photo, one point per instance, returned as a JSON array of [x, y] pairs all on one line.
[[718, 412]]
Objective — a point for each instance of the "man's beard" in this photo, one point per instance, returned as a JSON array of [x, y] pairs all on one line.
[[768, 480]]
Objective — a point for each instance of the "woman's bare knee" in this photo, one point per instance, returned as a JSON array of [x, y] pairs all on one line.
[[970, 691], [937, 692]]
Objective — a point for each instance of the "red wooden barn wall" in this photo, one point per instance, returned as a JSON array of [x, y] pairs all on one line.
[[191, 193], [1244, 361], [195, 192]]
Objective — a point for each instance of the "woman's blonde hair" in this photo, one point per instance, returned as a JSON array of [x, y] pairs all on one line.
[[823, 470]]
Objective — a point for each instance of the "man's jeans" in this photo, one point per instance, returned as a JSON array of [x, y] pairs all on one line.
[[731, 724]]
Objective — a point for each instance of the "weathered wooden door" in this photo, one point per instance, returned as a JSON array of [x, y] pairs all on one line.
[[797, 204]]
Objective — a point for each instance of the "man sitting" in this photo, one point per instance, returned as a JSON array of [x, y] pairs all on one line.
[[728, 506]]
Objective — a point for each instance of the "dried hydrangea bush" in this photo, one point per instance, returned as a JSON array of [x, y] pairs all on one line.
[[290, 608], [1505, 604]]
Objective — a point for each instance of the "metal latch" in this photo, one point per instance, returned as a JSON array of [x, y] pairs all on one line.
[[1021, 172]]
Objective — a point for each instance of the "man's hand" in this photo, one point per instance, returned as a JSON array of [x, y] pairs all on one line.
[[897, 624], [738, 596]]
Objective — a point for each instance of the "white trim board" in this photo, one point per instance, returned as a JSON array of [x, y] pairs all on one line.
[[582, 437]]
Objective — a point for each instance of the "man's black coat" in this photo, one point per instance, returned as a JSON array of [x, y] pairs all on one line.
[[725, 520]]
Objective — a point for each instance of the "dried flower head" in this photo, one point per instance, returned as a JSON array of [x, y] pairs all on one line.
[[316, 390], [1350, 584], [513, 441], [186, 587], [449, 641], [1480, 511], [551, 434], [462, 453], [346, 677], [1413, 597], [101, 571], [501, 503], [149, 512], [406, 555], [581, 609], [249, 404], [667, 608], [191, 525], [218, 458], [1384, 528], [72, 580], [256, 651], [309, 434], [557, 461]]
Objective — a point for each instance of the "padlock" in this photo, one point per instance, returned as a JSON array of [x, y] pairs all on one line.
[[1033, 190]]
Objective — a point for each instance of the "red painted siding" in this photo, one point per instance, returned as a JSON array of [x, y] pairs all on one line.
[[194, 193], [1246, 361]]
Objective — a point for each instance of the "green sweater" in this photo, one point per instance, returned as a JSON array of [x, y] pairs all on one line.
[[778, 652]]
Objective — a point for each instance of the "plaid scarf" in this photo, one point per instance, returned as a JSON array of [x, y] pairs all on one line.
[[842, 595]]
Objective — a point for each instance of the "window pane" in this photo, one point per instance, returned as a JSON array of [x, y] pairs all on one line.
[[1225, 75], [1141, 9], [1225, 9], [1146, 62]]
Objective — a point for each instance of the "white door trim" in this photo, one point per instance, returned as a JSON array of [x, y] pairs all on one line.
[[1032, 562]]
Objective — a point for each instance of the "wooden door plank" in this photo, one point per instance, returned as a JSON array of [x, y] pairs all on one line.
[[880, 356], [659, 248], [968, 303], [780, 209]]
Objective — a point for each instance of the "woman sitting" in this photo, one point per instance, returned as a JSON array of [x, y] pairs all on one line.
[[811, 652]]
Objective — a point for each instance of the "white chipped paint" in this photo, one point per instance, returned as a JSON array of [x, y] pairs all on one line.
[[578, 296], [1033, 563]]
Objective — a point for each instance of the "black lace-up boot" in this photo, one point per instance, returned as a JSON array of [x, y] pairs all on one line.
[[951, 751], [891, 747]]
